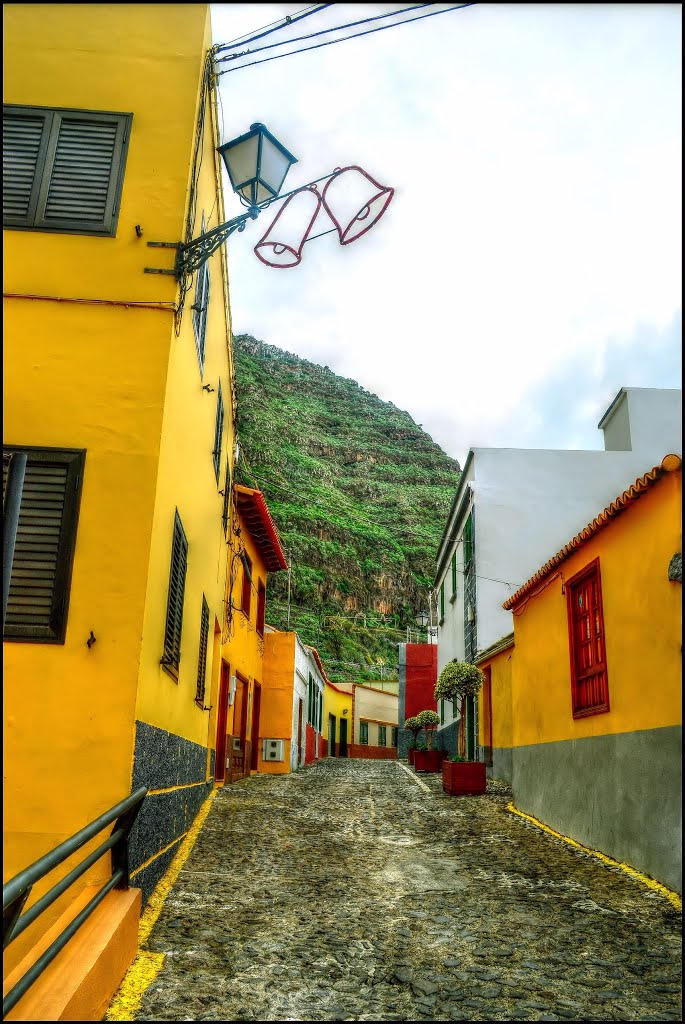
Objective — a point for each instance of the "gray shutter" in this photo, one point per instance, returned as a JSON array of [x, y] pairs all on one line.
[[218, 430], [81, 171], [174, 614], [24, 139], [46, 538], [202, 659]]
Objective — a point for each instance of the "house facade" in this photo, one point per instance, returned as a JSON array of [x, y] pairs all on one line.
[[596, 682], [374, 723], [337, 716], [418, 674], [118, 387], [512, 506], [294, 682]]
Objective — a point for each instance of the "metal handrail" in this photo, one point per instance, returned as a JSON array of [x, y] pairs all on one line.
[[16, 892]]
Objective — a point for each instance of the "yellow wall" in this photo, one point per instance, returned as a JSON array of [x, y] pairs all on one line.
[[500, 674], [97, 376], [374, 706], [642, 622], [334, 703]]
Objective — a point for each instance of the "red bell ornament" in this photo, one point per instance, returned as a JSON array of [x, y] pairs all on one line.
[[281, 246], [354, 201]]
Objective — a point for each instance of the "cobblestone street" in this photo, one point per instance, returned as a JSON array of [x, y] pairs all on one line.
[[350, 892]]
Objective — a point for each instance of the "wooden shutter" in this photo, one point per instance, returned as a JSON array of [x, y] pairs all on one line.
[[227, 497], [218, 431], [46, 538], [589, 682], [261, 607], [202, 657], [246, 596], [24, 143], [200, 306], [64, 168], [174, 613]]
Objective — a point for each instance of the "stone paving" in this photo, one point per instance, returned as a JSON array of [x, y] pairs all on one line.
[[349, 892]]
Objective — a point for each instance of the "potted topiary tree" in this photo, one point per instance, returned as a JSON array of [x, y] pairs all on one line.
[[414, 727], [428, 760], [457, 681]]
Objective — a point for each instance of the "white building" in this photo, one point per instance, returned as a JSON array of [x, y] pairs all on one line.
[[515, 507]]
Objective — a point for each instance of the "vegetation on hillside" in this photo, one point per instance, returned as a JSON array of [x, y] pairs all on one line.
[[359, 493]]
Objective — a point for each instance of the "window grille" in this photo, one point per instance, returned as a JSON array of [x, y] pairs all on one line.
[[202, 656], [63, 169], [468, 542], [46, 539], [171, 657], [589, 682], [363, 732], [454, 574], [218, 431], [381, 736], [394, 735]]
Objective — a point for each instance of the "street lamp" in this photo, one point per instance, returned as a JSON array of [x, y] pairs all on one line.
[[257, 164], [422, 619]]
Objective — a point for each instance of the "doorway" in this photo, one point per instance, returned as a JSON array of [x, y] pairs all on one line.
[[331, 735], [256, 708], [343, 738], [221, 716], [299, 734]]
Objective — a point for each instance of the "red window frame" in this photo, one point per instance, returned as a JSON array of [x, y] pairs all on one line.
[[246, 595], [587, 644], [261, 607]]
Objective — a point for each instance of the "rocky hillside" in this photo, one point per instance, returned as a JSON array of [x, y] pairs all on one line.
[[360, 495]]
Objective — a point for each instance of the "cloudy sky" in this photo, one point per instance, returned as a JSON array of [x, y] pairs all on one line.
[[529, 264]]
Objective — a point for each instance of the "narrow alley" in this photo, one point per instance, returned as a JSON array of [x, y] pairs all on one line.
[[354, 890]]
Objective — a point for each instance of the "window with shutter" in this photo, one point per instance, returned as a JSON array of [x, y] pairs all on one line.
[[202, 656], [363, 732], [200, 307], [218, 431], [246, 596], [589, 682], [261, 607], [46, 539], [174, 613], [63, 169], [227, 497], [381, 735]]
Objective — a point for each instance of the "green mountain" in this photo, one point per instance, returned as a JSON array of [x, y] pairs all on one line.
[[360, 495]]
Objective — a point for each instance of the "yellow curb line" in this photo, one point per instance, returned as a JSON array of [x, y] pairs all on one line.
[[147, 965], [672, 897]]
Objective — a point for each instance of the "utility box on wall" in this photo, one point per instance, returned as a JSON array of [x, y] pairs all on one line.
[[273, 750]]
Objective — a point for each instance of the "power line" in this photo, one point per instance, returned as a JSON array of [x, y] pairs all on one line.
[[313, 35], [268, 29], [355, 35]]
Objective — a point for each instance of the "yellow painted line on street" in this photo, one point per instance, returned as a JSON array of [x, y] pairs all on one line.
[[673, 898], [147, 965], [410, 773]]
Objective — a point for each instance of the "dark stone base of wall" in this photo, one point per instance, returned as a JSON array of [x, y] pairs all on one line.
[[163, 761], [404, 738], [375, 753]]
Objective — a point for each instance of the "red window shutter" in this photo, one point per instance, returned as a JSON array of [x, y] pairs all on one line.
[[589, 682]]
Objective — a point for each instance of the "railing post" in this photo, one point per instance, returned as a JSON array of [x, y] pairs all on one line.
[[120, 851], [10, 510]]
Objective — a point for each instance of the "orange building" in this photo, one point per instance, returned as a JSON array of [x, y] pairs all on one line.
[[596, 681], [238, 708]]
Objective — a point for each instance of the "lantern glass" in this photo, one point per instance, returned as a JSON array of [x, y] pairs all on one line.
[[257, 164], [421, 619]]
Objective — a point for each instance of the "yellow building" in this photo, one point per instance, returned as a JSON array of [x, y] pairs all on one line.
[[494, 708], [596, 681], [118, 385], [337, 716]]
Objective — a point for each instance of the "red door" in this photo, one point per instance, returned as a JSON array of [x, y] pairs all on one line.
[[299, 734], [221, 716], [256, 706]]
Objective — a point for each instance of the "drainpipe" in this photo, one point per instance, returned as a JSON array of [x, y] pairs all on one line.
[[10, 511]]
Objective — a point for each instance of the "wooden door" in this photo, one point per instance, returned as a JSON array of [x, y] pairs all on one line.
[[299, 732], [331, 735], [221, 716], [487, 715], [256, 708]]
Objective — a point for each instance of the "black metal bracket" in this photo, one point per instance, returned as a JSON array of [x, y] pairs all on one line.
[[191, 255]]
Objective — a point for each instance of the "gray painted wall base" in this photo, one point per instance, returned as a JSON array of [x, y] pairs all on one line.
[[620, 795], [447, 738]]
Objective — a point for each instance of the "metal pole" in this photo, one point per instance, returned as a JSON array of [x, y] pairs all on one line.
[[10, 510]]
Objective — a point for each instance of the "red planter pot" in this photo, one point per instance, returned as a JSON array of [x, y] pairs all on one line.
[[410, 754], [427, 760], [464, 778]]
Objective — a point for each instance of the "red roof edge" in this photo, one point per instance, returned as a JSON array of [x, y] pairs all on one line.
[[267, 522], [669, 464]]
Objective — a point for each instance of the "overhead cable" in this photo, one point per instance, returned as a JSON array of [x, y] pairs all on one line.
[[277, 26], [331, 42]]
